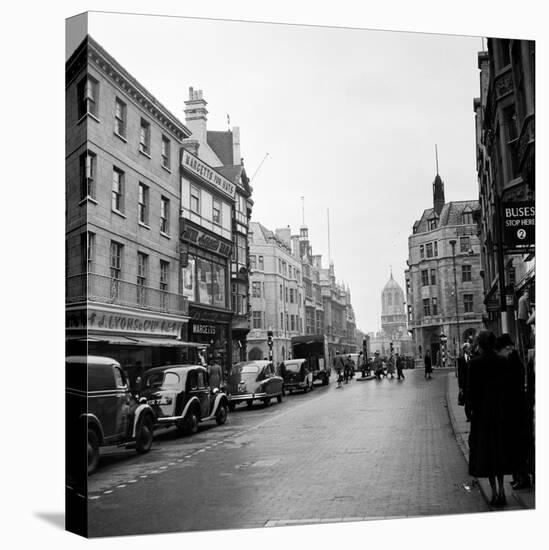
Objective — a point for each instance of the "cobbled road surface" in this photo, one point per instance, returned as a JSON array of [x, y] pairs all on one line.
[[370, 450]]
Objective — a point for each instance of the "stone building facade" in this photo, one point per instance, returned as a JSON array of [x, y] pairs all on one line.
[[123, 288], [339, 317], [276, 292], [505, 140], [443, 284]]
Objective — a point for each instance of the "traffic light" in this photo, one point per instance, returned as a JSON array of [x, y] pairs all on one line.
[[270, 338]]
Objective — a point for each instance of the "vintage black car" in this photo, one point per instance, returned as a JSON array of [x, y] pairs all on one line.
[[99, 399], [180, 395], [253, 380], [297, 375]]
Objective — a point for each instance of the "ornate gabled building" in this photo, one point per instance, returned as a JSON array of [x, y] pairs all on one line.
[[443, 285], [221, 151]]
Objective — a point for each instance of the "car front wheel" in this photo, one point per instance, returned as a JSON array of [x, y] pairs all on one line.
[[144, 435], [93, 451], [221, 415]]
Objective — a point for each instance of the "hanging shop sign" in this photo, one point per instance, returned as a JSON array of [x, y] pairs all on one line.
[[195, 166], [519, 225]]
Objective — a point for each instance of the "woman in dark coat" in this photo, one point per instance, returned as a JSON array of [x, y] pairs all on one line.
[[428, 365], [491, 443]]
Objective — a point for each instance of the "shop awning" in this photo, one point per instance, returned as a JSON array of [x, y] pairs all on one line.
[[167, 342], [122, 340]]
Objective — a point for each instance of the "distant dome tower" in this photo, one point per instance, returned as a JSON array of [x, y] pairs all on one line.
[[393, 314]]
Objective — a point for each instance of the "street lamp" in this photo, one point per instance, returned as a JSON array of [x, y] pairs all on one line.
[[453, 244], [443, 339]]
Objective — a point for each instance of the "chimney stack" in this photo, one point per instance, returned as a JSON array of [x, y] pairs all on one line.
[[196, 115]]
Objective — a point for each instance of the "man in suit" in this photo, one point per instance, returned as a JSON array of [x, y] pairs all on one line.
[[463, 372]]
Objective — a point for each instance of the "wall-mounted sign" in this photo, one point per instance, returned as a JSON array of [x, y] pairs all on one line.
[[121, 323], [195, 166], [202, 239], [203, 329], [519, 224]]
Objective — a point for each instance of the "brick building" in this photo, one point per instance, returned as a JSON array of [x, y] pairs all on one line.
[[123, 296], [505, 139], [443, 284]]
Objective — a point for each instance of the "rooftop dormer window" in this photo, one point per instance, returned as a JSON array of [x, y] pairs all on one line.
[[467, 216]]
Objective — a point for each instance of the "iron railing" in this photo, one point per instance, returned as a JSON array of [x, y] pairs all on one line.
[[100, 288]]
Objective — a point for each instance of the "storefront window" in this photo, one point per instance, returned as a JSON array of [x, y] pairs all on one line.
[[219, 285], [188, 276], [204, 278]]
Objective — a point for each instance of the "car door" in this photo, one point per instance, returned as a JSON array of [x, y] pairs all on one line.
[[274, 381], [203, 392], [123, 402], [102, 399]]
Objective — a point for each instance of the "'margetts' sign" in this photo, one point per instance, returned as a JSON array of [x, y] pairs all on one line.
[[519, 224]]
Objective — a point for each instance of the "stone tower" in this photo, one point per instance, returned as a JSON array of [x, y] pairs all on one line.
[[393, 314]]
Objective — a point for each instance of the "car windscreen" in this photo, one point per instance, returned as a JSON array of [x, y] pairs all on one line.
[[293, 367], [154, 380]]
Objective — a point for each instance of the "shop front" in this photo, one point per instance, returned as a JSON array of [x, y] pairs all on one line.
[[138, 340], [211, 329], [205, 270]]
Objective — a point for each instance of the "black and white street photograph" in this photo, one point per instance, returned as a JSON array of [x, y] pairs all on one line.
[[299, 291], [279, 277]]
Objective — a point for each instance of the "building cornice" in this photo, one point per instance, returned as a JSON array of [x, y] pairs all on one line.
[[132, 88]]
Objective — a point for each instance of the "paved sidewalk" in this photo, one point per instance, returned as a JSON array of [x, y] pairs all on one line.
[[517, 500]]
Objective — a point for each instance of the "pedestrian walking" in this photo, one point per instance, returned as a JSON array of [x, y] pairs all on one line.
[[463, 368], [378, 366], [349, 368], [339, 367], [428, 364], [215, 374], [391, 366], [516, 409], [399, 367], [491, 452]]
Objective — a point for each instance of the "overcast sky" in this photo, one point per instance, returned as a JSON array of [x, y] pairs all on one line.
[[349, 118]]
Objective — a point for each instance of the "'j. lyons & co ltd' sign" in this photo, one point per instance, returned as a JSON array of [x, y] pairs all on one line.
[[519, 224]]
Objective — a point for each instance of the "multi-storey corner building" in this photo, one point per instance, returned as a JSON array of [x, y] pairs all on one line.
[[505, 138], [276, 292], [123, 295], [443, 284], [220, 150]]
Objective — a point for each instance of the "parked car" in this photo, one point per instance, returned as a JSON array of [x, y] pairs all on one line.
[[297, 375], [98, 389], [253, 380], [180, 395]]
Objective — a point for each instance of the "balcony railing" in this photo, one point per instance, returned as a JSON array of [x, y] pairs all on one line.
[[99, 288]]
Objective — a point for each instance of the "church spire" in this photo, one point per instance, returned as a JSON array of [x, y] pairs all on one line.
[[438, 189]]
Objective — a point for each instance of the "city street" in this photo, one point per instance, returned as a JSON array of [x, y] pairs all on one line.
[[371, 450]]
